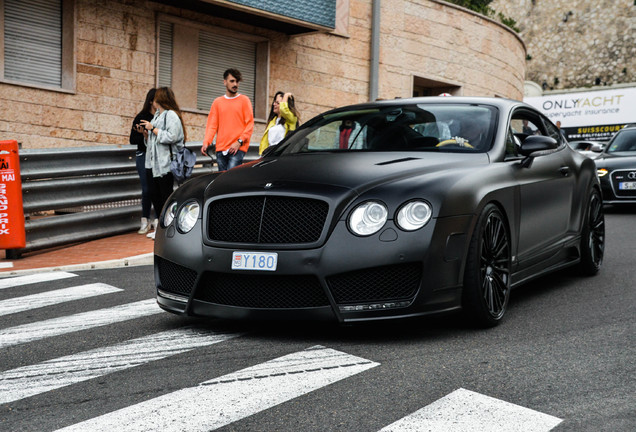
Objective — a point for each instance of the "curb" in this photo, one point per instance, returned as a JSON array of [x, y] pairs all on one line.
[[134, 261]]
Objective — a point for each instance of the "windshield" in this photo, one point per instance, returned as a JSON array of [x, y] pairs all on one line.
[[422, 127], [624, 141]]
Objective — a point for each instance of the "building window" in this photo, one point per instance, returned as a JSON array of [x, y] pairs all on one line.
[[216, 53], [195, 70], [37, 44], [165, 55]]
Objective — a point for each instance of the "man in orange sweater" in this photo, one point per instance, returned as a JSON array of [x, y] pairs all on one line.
[[231, 120]]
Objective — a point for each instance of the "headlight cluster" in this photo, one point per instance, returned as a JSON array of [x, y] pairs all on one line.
[[602, 172], [370, 216], [186, 218]]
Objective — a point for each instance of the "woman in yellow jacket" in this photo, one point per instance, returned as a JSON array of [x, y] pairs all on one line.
[[283, 118]]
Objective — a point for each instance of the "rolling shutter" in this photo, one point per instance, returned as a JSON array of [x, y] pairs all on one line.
[[33, 41], [165, 55], [218, 53]]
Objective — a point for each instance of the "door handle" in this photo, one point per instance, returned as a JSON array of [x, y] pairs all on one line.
[[565, 171]]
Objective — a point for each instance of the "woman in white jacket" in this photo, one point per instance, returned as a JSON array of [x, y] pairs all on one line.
[[166, 135]]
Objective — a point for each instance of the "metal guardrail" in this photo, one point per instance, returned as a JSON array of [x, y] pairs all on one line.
[[73, 195]]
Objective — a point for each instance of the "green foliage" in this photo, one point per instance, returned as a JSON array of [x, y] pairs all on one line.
[[481, 6]]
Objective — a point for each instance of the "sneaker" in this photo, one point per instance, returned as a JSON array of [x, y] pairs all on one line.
[[145, 226], [154, 224], [151, 235]]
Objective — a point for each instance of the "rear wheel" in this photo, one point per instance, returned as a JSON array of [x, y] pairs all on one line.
[[593, 236], [487, 275]]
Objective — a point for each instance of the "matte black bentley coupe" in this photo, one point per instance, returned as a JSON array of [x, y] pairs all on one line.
[[384, 210]]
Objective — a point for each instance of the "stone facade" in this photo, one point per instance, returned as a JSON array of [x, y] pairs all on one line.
[[576, 43], [116, 51]]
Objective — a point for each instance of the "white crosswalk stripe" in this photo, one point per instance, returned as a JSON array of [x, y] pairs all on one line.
[[34, 278], [467, 411], [28, 381], [81, 321], [35, 301], [234, 396]]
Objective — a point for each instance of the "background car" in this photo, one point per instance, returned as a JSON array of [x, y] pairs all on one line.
[[384, 210], [588, 148], [616, 167]]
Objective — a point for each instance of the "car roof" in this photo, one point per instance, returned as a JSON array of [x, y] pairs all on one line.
[[501, 103]]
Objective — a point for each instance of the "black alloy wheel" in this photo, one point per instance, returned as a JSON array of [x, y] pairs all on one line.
[[488, 268], [593, 236]]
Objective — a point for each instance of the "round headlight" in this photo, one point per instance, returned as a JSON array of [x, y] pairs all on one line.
[[368, 218], [414, 215], [188, 216], [169, 213]]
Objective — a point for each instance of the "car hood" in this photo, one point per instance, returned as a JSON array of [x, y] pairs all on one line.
[[336, 173], [607, 160]]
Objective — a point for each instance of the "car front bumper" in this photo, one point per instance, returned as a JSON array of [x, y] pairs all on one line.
[[392, 274]]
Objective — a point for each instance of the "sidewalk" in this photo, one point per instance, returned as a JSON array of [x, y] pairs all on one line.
[[117, 251]]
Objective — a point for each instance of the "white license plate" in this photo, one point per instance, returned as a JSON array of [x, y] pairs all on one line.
[[265, 261], [627, 185]]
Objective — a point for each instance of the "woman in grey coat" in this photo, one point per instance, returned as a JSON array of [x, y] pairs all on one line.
[[166, 135]]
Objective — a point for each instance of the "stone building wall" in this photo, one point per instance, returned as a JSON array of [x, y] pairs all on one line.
[[115, 65], [576, 43]]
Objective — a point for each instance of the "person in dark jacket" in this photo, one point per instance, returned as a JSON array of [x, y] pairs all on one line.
[[138, 136]]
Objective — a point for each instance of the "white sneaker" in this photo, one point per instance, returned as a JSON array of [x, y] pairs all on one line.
[[151, 235], [145, 226], [154, 224]]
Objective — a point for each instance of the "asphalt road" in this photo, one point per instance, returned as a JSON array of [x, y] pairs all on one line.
[[564, 359]]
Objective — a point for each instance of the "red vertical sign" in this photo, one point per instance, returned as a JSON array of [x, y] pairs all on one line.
[[12, 235]]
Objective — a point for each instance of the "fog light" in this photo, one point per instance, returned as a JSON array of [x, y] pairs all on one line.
[[374, 306]]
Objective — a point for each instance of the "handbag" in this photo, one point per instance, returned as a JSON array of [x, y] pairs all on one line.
[[181, 164], [182, 161]]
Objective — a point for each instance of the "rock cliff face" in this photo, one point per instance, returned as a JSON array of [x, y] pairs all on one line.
[[576, 43]]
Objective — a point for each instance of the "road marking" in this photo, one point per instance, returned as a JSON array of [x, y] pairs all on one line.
[[467, 411], [32, 380], [82, 321], [221, 401], [34, 301], [35, 278]]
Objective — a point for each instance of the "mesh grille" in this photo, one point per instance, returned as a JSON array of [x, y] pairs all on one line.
[[261, 292], [175, 278], [272, 220], [394, 282], [621, 176]]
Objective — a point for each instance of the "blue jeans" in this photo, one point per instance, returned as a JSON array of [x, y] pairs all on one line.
[[146, 203], [227, 162]]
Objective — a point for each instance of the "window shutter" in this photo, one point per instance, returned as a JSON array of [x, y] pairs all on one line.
[[33, 41], [165, 54], [218, 53]]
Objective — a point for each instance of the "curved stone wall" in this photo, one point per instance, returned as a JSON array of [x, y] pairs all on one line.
[[440, 41]]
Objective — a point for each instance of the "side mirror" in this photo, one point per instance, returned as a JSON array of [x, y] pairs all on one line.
[[537, 143], [597, 148]]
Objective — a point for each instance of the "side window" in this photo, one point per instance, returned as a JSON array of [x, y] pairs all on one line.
[[553, 132], [512, 144], [524, 126]]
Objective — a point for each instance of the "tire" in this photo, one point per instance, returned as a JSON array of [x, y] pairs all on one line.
[[592, 236], [487, 275]]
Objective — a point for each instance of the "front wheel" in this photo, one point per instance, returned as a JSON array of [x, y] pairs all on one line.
[[487, 275], [593, 236]]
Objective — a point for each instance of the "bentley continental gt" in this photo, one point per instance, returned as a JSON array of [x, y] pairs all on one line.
[[383, 210]]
